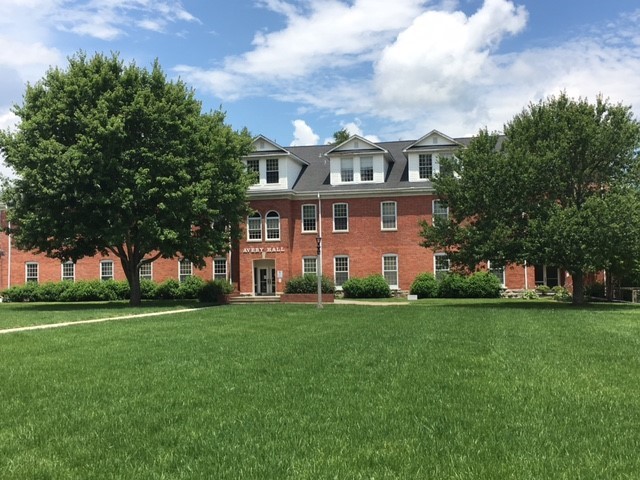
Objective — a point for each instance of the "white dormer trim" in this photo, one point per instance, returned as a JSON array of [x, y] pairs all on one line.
[[431, 147], [363, 155], [433, 140], [353, 144], [268, 154]]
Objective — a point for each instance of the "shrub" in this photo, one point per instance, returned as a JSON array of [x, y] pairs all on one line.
[[148, 289], [168, 290], [530, 295], [595, 289], [453, 285], [373, 286], [21, 293], [51, 291], [425, 285], [120, 289], [561, 294], [308, 283], [87, 291], [543, 289], [212, 289], [483, 285], [190, 288]]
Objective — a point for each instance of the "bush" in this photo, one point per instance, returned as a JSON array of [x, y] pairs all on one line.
[[212, 289], [51, 291], [595, 289], [148, 289], [453, 285], [167, 290], [88, 291], [190, 288], [483, 285], [530, 295], [543, 289], [561, 294], [425, 285], [373, 286], [120, 289], [21, 293], [308, 283]]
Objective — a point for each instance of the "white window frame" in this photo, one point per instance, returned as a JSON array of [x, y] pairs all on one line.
[[439, 272], [383, 215], [345, 216], [218, 274], [395, 271], [270, 162], [253, 166], [346, 170], [32, 272], [336, 271], [105, 266], [493, 271], [272, 226], [306, 270], [67, 277], [438, 212], [254, 224], [315, 218], [185, 269], [366, 166], [428, 167], [146, 276]]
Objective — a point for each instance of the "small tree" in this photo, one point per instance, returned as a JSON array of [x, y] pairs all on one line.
[[114, 159], [543, 195], [340, 136]]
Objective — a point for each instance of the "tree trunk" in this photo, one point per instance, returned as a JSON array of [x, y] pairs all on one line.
[[578, 288], [131, 271]]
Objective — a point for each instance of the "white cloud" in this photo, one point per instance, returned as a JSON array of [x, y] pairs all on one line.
[[303, 134]]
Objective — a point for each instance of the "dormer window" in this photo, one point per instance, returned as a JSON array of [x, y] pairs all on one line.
[[425, 166], [273, 174], [346, 169], [366, 169], [253, 169]]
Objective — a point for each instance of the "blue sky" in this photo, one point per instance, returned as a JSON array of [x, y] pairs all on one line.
[[297, 71]]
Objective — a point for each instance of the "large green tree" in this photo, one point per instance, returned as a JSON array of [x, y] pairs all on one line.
[[115, 159], [558, 188]]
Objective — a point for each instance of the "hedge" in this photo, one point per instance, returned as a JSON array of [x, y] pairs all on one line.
[[308, 283], [454, 285], [373, 286]]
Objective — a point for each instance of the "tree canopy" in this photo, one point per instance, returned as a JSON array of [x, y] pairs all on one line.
[[115, 159], [340, 136], [558, 188]]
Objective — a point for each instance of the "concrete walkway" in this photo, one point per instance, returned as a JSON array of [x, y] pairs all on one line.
[[96, 320]]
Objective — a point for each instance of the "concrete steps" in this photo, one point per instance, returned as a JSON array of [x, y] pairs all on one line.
[[247, 299]]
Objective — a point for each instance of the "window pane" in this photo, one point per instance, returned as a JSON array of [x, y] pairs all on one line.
[[220, 269], [31, 272], [425, 166], [273, 176], [366, 169], [254, 227], [390, 269], [346, 170], [146, 271], [106, 270], [442, 265], [185, 269], [341, 270], [440, 210], [498, 272], [68, 271], [388, 215], [308, 218], [340, 217], [273, 226], [253, 168], [309, 265]]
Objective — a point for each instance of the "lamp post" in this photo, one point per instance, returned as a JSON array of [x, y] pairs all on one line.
[[319, 269]]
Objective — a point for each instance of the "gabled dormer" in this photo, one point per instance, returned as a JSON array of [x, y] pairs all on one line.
[[357, 161], [275, 167], [423, 155]]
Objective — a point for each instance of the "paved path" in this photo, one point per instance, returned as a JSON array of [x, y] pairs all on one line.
[[97, 320]]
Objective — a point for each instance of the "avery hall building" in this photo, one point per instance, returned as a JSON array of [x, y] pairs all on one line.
[[360, 201]]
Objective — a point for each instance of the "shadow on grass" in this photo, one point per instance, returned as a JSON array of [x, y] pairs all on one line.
[[519, 304], [108, 305]]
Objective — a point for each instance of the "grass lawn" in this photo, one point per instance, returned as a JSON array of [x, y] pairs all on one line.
[[459, 390], [26, 314]]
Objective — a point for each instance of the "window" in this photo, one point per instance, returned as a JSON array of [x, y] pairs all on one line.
[[254, 227], [220, 269], [366, 169], [425, 166], [273, 175], [31, 272], [390, 270], [441, 265], [253, 168], [497, 271], [185, 269], [340, 217], [388, 213], [440, 210], [546, 275], [273, 226], [146, 271], [309, 218], [106, 270], [346, 169], [68, 271], [309, 265], [341, 270]]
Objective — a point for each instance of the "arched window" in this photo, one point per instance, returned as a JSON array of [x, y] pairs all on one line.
[[273, 226], [254, 227]]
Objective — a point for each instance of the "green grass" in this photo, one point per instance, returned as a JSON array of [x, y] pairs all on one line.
[[456, 390], [14, 315]]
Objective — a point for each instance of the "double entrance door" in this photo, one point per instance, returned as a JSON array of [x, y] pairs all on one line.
[[264, 277]]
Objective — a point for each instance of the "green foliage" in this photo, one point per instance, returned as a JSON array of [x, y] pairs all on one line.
[[425, 285], [595, 290], [308, 283], [168, 290], [212, 289], [561, 294], [130, 164], [340, 136], [483, 285], [453, 285], [560, 190], [543, 289], [373, 286], [190, 288], [530, 295], [148, 289]]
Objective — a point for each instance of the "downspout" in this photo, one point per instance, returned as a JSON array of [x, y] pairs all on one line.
[[526, 276], [9, 257]]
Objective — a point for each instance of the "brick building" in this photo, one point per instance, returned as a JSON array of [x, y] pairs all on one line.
[[361, 200]]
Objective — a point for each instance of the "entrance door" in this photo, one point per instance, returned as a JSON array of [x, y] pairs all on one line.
[[265, 279]]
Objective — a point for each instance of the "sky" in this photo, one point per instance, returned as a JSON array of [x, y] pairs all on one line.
[[298, 71]]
